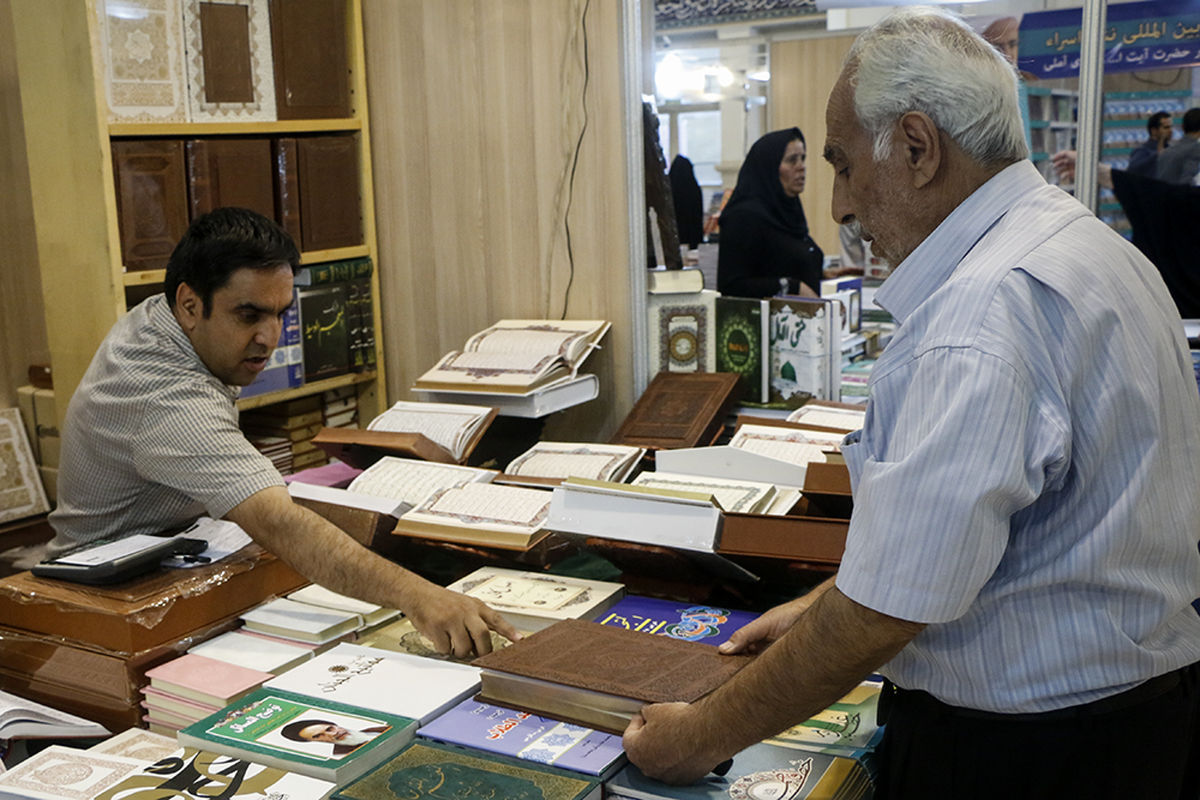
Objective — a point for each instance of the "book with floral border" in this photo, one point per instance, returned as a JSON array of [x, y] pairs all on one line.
[[431, 770]]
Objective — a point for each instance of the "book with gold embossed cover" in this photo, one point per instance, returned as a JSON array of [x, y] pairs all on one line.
[[429, 770], [599, 676]]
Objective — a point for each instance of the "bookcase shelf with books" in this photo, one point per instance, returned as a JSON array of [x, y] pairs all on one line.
[[71, 134]]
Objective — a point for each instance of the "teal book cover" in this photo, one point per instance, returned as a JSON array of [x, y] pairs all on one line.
[[741, 329], [306, 735], [800, 351], [431, 770]]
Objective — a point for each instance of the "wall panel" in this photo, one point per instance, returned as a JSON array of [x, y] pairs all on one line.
[[477, 109], [802, 75]]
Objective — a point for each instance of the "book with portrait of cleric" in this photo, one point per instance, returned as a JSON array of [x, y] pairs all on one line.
[[534, 600], [516, 356], [600, 676], [311, 736], [428, 770]]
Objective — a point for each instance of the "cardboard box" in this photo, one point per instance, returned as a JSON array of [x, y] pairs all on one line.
[[147, 612]]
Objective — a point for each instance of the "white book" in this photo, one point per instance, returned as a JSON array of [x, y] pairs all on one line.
[[533, 404], [382, 680], [65, 773], [745, 497], [316, 595], [410, 480], [601, 462], [190, 772], [142, 745], [26, 719], [255, 652], [292, 620], [481, 513], [534, 600], [823, 416]]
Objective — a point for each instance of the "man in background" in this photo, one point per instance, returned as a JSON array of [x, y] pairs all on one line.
[[1022, 554], [1144, 158], [151, 440], [1181, 163]]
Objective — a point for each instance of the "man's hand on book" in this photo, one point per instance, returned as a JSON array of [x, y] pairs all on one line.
[[755, 636], [458, 624], [670, 742]]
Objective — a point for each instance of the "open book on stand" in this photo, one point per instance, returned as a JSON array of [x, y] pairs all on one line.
[[445, 432], [548, 463], [516, 355], [509, 517]]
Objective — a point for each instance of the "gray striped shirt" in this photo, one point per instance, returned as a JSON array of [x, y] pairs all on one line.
[[1027, 476], [151, 439]]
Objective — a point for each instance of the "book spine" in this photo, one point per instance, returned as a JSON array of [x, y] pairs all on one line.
[[201, 186], [287, 187]]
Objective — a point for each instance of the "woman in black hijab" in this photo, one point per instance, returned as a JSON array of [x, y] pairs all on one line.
[[764, 234], [689, 203]]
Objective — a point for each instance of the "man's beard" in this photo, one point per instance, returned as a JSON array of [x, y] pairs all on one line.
[[354, 738]]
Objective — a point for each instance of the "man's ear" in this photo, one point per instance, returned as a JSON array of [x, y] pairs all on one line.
[[922, 147], [189, 307]]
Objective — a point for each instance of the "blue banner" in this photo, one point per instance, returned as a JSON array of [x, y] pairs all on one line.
[[1137, 36]]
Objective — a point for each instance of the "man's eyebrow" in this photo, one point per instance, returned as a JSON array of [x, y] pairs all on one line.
[[248, 306]]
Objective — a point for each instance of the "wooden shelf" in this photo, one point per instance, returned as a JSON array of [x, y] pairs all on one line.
[[143, 277], [146, 129], [316, 387]]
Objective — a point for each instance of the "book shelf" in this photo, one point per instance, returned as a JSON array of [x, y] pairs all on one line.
[[1124, 129], [86, 286], [1053, 125]]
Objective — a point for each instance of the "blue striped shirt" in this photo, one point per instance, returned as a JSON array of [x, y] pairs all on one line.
[[1027, 480]]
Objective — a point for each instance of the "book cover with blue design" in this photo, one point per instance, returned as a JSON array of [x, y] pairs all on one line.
[[691, 622], [519, 734]]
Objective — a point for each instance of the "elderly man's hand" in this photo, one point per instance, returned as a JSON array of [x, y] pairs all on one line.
[[668, 741], [457, 624]]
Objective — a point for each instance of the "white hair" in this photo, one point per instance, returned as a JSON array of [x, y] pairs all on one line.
[[925, 59]]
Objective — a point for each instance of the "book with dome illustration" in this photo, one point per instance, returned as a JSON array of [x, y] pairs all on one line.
[[804, 351]]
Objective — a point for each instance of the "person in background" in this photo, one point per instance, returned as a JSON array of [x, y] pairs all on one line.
[[1181, 163], [689, 202], [151, 440], [765, 248], [1022, 553], [1144, 158]]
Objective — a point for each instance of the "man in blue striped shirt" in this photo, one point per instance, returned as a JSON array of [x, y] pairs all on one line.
[[1022, 555]]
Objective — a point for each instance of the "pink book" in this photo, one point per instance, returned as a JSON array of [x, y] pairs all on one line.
[[154, 722], [336, 474], [206, 680]]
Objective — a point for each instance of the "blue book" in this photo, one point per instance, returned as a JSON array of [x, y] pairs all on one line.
[[691, 622], [519, 734], [285, 370], [761, 770]]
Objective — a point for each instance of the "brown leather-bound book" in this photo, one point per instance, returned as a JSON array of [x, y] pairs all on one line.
[[228, 70], [151, 187], [286, 165], [329, 193], [230, 172], [680, 409], [312, 70], [599, 676]]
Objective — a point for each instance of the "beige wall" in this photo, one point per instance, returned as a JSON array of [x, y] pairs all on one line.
[[802, 75], [476, 110], [23, 338]]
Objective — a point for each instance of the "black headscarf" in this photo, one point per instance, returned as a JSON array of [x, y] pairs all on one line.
[[689, 205], [758, 180]]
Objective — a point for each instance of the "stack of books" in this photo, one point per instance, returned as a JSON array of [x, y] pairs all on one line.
[[295, 421], [192, 687], [263, 653], [341, 407], [276, 448], [301, 622]]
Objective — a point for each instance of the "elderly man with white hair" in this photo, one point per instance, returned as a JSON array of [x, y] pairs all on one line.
[[1022, 555]]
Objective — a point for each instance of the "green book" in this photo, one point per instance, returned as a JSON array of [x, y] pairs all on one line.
[[742, 343], [309, 736], [432, 770]]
